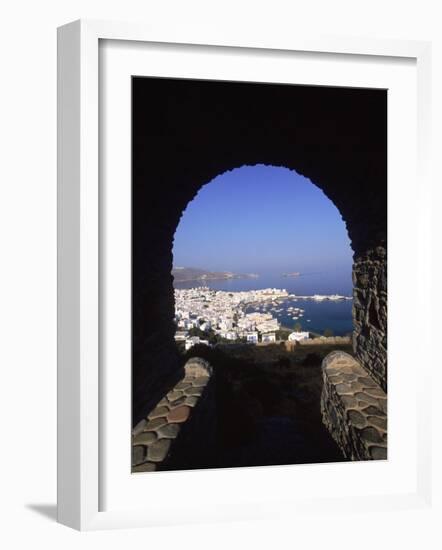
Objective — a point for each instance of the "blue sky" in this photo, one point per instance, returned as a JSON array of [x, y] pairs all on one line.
[[262, 219]]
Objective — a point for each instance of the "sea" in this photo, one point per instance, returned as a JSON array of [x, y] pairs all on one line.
[[317, 316]]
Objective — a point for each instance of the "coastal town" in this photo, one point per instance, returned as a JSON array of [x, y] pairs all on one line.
[[205, 316]]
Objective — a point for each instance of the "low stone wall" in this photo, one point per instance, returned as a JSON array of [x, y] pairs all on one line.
[[320, 341], [155, 437], [354, 408]]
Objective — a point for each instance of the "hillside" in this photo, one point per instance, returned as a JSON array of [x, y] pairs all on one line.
[[185, 274]]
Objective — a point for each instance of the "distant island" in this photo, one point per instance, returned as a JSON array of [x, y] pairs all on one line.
[[185, 274], [292, 274]]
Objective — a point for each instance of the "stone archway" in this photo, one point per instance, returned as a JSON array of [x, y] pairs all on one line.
[[185, 133]]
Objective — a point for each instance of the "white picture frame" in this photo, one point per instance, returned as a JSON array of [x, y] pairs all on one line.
[[79, 367]]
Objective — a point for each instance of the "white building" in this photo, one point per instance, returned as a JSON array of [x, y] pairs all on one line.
[[268, 337], [190, 342], [252, 337], [229, 334], [181, 335], [268, 325], [225, 324], [297, 336]]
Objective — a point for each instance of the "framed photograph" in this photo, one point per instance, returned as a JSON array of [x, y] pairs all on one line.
[[235, 245]]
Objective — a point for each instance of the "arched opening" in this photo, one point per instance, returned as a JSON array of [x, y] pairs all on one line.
[[186, 133], [263, 291]]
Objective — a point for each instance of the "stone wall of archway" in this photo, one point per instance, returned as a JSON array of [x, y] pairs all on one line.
[[185, 133]]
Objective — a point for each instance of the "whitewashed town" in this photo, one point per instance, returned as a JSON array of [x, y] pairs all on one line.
[[225, 315]]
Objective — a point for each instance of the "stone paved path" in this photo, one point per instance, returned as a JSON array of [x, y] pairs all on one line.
[[281, 440]]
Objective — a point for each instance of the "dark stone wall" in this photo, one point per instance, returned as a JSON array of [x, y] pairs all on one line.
[[370, 312], [185, 133]]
